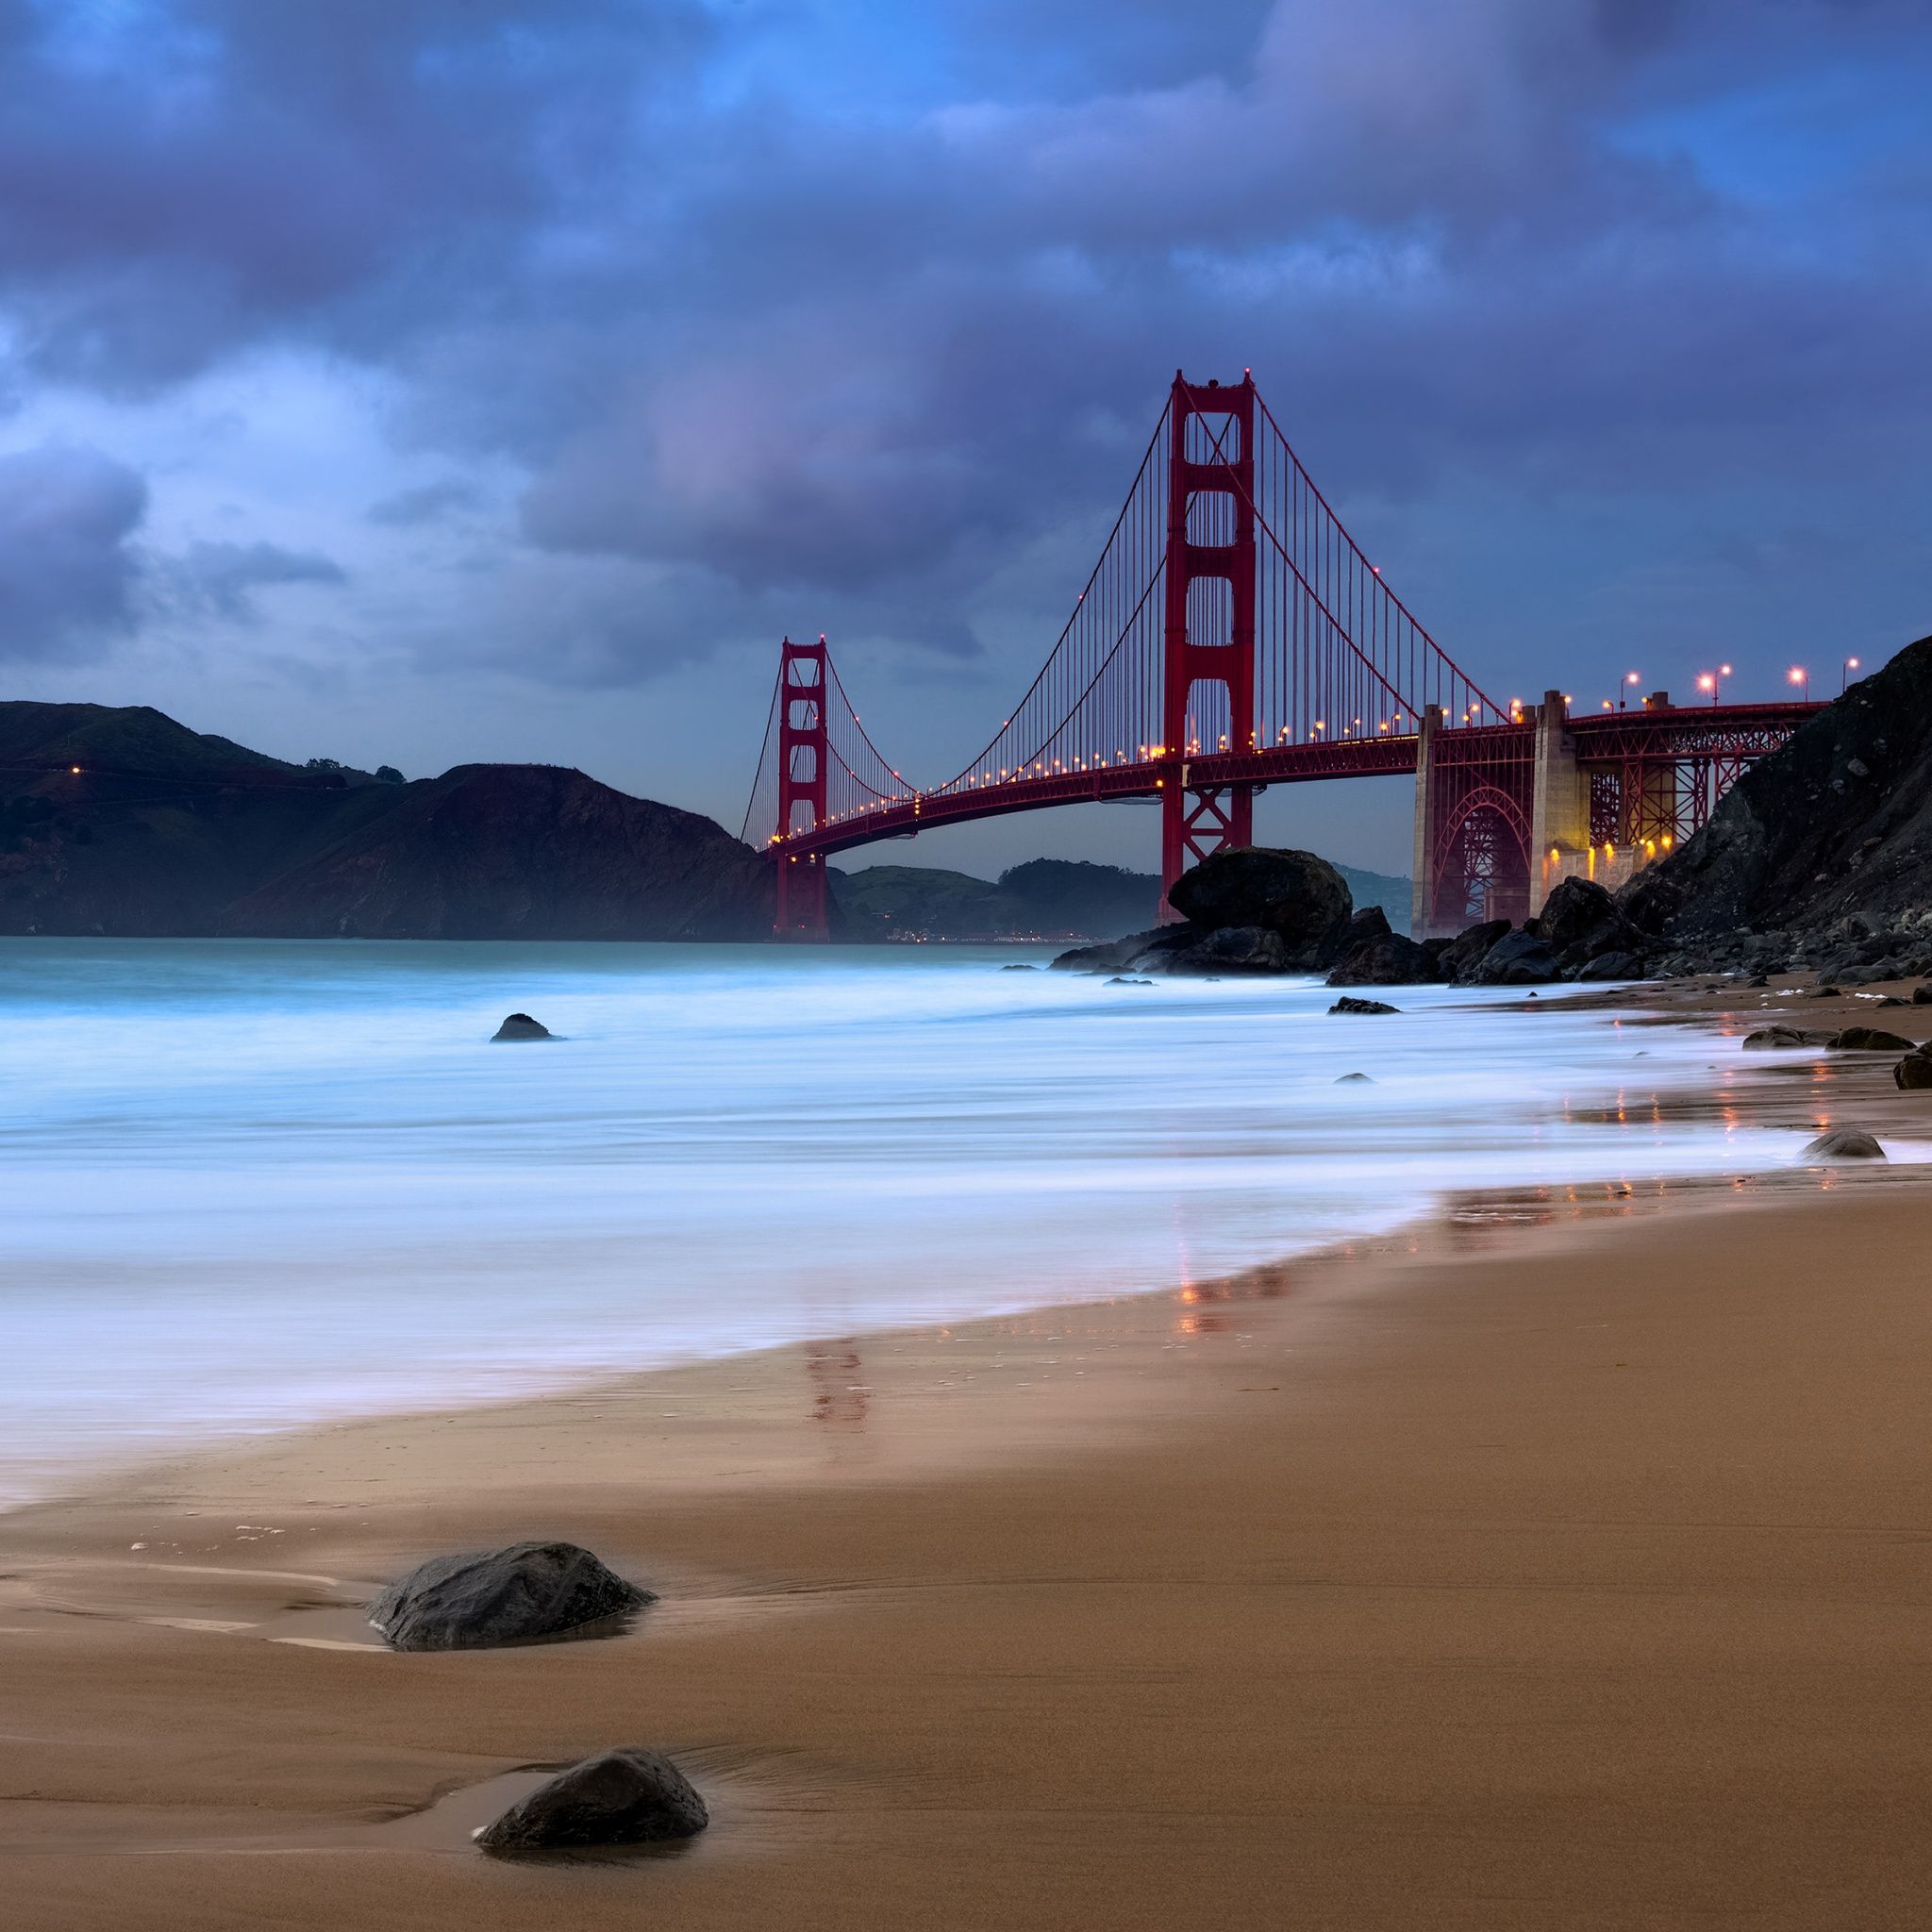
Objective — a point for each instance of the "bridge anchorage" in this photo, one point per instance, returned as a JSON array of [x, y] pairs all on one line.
[[1233, 636]]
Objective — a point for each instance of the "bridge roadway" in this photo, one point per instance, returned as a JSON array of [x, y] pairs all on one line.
[[1652, 736]]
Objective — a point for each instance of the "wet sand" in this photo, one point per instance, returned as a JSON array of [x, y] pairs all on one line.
[[1564, 1561]]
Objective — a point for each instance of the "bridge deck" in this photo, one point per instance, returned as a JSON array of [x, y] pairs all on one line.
[[1601, 738]]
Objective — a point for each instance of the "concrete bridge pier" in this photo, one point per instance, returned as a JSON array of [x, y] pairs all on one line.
[[1427, 809], [1559, 808]]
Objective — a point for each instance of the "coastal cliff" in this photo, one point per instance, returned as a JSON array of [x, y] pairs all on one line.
[[1820, 856], [123, 822]]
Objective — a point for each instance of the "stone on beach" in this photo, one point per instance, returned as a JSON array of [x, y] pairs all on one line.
[[487, 1598], [520, 1026], [1770, 1038], [1914, 1072], [1352, 1005], [1845, 1143], [627, 1796], [1872, 1040]]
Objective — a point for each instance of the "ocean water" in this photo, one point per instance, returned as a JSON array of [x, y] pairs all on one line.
[[243, 1185]]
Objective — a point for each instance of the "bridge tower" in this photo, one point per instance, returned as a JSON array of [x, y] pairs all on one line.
[[1209, 631], [800, 909]]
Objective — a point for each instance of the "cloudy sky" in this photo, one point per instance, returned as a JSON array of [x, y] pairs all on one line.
[[424, 380]]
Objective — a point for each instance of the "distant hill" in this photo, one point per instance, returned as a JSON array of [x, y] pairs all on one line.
[[164, 831], [1045, 898]]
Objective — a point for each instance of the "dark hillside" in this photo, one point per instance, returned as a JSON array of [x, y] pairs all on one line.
[[166, 832], [1820, 851]]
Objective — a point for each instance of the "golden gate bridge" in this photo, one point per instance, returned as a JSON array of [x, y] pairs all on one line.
[[1233, 636]]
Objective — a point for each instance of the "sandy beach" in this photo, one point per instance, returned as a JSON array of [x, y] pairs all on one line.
[[1562, 1561]]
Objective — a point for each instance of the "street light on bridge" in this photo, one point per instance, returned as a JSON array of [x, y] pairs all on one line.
[[1798, 675], [1630, 679], [1844, 676]]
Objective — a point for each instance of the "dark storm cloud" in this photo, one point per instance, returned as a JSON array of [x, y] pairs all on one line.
[[867, 311], [68, 571]]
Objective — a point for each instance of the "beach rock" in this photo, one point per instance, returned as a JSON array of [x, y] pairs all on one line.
[[1580, 921], [487, 1598], [1295, 895], [627, 1796], [1921, 995], [1517, 958], [1222, 949], [1462, 954], [1872, 1040], [1844, 1143], [1120, 979], [1775, 1038], [1018, 966], [1349, 1006], [1350, 1079], [1913, 1072], [520, 1026], [1612, 966], [1386, 959]]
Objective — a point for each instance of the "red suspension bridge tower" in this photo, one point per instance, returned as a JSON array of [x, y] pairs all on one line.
[[1209, 629], [803, 756]]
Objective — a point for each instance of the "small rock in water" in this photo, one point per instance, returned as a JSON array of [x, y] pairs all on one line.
[[1119, 980], [520, 1026], [1018, 966], [1354, 1006], [1845, 1143], [1342, 1079], [629, 1796], [492, 1597]]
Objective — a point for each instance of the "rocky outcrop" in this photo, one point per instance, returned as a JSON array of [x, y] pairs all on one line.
[[1591, 936], [489, 1598], [629, 1796], [1295, 895], [1250, 912], [1844, 1143], [1517, 958], [1372, 955], [1820, 858], [1458, 959]]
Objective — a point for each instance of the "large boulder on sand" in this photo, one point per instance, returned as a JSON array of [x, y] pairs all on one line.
[[629, 1796], [1294, 895], [488, 1598]]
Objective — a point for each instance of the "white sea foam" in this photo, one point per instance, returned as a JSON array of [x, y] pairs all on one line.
[[247, 1184]]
